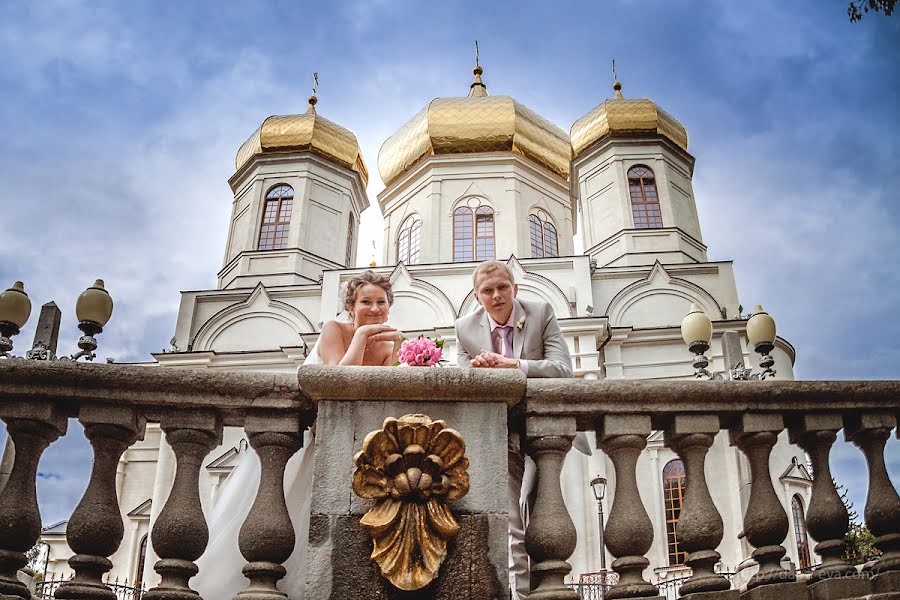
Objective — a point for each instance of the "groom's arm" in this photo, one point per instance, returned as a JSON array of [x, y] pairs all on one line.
[[557, 361], [462, 357]]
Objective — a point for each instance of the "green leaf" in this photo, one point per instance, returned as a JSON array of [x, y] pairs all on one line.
[[396, 364]]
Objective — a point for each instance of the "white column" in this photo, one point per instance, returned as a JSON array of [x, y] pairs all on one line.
[[162, 484]]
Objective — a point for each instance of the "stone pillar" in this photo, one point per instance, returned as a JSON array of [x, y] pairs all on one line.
[[700, 528], [267, 536], [826, 516], [765, 522], [95, 529], [629, 532], [32, 427], [180, 532], [882, 512], [550, 537], [355, 401]]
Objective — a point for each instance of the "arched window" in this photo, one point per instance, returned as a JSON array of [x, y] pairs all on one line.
[[673, 494], [800, 532], [473, 232], [276, 218], [544, 241], [409, 241], [644, 200], [142, 556]]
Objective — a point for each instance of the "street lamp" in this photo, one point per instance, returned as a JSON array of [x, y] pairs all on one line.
[[93, 308], [696, 331], [598, 485]]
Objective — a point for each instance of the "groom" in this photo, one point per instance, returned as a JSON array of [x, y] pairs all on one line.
[[508, 333]]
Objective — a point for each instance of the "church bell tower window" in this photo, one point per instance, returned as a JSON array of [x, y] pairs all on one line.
[[409, 241], [276, 218], [674, 481], [473, 232], [644, 199], [544, 241]]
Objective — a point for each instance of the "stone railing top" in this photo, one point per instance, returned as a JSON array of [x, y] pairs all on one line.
[[664, 399], [320, 382], [233, 395], [153, 388]]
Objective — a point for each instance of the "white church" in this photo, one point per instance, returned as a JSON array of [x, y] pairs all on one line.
[[467, 179]]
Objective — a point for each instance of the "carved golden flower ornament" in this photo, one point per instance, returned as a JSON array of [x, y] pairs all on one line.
[[413, 466]]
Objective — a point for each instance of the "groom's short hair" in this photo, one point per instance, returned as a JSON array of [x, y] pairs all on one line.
[[489, 266]]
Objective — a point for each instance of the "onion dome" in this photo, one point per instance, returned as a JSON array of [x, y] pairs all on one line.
[[475, 123], [625, 117], [306, 132]]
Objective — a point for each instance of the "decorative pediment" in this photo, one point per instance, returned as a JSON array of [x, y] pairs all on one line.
[[142, 510], [796, 470], [473, 190], [659, 300], [259, 322], [531, 287], [225, 461], [418, 304]]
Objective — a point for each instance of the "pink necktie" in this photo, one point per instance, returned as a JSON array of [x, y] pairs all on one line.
[[505, 343]]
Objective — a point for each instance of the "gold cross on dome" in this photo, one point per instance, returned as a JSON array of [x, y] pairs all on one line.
[[476, 53], [315, 83]]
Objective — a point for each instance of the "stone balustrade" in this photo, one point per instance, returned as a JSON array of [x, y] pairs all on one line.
[[114, 402]]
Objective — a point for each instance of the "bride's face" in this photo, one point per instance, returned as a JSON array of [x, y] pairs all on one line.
[[371, 306]]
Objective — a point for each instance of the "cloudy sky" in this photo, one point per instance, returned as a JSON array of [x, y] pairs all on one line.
[[120, 122]]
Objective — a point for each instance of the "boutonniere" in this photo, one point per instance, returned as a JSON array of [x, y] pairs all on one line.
[[520, 323]]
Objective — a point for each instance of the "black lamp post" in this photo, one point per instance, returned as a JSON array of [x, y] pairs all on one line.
[[598, 485]]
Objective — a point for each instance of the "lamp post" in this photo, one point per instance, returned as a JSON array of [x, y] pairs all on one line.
[[93, 309], [696, 331], [598, 485]]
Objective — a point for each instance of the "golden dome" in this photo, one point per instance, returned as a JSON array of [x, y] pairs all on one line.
[[624, 117], [476, 123], [306, 132]]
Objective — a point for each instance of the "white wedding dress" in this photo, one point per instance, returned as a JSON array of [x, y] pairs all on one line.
[[220, 576]]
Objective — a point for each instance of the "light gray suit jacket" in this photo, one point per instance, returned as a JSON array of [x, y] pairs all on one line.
[[539, 342]]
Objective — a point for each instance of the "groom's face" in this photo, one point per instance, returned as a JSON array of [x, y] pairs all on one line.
[[495, 292]]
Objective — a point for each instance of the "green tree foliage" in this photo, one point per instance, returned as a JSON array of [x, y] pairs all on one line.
[[860, 541], [858, 8]]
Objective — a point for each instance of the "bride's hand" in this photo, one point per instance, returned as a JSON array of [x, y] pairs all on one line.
[[376, 333]]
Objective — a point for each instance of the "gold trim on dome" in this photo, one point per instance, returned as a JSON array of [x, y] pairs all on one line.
[[309, 132], [475, 124], [621, 116]]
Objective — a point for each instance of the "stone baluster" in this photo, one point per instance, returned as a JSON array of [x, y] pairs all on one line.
[[20, 517], [550, 536], [95, 529], [827, 519], [870, 433], [629, 533], [700, 528], [180, 533], [765, 522], [267, 536]]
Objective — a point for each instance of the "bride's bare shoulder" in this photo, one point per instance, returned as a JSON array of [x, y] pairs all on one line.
[[336, 327]]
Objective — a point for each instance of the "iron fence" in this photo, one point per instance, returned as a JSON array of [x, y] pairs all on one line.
[[596, 590], [45, 590]]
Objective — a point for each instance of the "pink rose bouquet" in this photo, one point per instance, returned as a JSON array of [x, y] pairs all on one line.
[[420, 352]]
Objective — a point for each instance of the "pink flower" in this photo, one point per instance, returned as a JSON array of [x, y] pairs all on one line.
[[420, 352]]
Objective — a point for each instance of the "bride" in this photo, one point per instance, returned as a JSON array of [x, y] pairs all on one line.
[[357, 337]]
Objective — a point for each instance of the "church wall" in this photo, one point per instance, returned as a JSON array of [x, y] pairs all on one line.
[[601, 186], [506, 182]]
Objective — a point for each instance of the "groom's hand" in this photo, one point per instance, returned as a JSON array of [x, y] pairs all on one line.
[[492, 360]]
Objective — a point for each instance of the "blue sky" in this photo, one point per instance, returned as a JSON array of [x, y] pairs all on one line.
[[120, 122]]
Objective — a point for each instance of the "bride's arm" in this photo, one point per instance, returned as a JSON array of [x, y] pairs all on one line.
[[332, 348], [392, 358]]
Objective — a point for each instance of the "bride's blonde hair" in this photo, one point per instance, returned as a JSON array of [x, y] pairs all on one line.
[[366, 278]]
